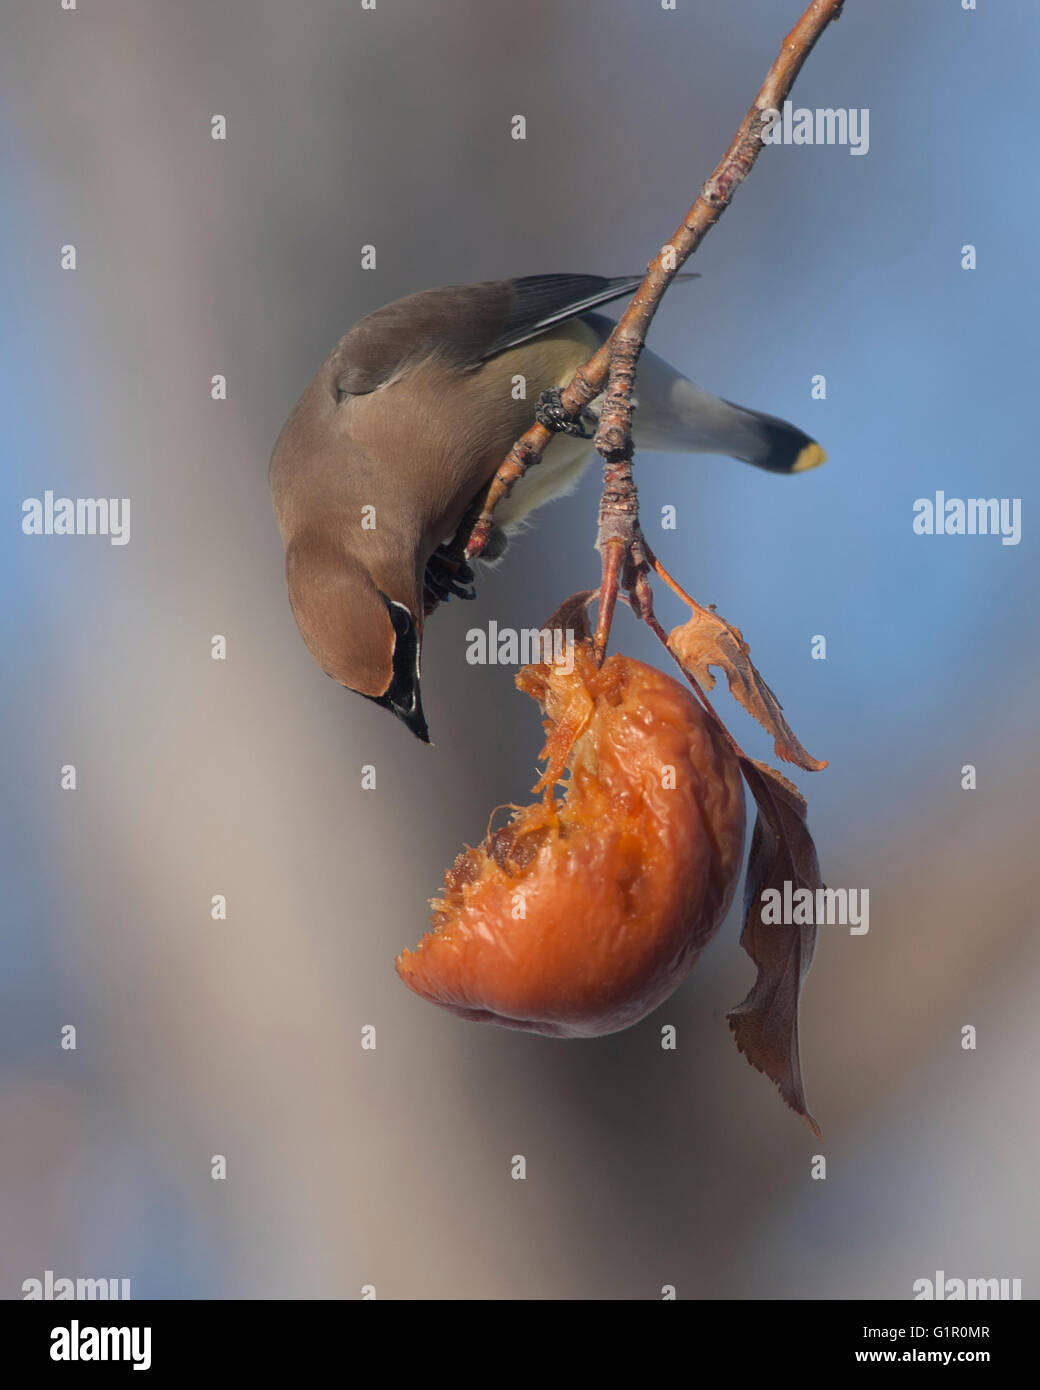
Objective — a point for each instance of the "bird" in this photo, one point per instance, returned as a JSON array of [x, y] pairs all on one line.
[[405, 423]]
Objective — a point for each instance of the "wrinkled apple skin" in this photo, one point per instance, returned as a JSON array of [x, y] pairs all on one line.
[[621, 885]]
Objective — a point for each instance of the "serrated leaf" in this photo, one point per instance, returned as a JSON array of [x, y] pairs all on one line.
[[765, 1025], [707, 640]]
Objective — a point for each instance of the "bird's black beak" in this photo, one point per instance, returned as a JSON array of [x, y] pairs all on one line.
[[403, 697], [411, 714]]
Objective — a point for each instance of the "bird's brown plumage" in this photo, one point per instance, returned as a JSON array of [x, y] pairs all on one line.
[[385, 450], [404, 424]]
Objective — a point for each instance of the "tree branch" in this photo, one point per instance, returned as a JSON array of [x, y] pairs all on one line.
[[765, 1025], [620, 353]]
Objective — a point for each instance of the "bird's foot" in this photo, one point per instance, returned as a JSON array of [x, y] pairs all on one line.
[[550, 413], [446, 577], [497, 545]]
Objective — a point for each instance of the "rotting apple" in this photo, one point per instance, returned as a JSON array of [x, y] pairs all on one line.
[[580, 917]]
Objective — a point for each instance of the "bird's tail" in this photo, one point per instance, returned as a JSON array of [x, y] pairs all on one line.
[[675, 416]]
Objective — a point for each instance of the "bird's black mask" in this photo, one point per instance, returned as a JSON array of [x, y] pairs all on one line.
[[402, 696]]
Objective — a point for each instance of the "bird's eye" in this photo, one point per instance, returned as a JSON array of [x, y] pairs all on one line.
[[403, 691], [402, 695]]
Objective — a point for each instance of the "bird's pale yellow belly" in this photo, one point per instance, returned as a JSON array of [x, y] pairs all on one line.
[[558, 473], [549, 361]]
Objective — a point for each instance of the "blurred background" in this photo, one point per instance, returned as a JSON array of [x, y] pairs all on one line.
[[196, 777]]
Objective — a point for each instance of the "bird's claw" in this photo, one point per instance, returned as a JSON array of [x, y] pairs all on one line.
[[446, 577], [550, 413]]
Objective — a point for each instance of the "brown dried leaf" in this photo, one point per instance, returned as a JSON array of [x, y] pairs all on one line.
[[573, 616], [765, 1025], [708, 640]]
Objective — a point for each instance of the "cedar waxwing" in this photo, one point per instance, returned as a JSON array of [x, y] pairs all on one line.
[[407, 421]]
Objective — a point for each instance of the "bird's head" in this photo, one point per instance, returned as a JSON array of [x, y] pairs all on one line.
[[359, 634]]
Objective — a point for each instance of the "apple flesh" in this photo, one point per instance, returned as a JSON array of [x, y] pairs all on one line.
[[581, 916]]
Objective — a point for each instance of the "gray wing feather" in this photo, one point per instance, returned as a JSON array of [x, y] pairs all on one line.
[[464, 324]]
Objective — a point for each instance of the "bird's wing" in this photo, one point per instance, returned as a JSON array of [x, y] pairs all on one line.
[[464, 325], [542, 301]]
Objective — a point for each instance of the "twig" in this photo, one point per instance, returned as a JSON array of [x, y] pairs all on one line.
[[765, 1025], [621, 351]]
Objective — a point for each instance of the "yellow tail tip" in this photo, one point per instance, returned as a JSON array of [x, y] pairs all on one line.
[[810, 457]]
